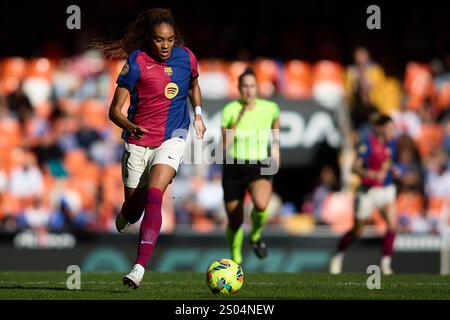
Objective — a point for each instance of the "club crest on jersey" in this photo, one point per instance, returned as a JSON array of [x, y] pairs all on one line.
[[171, 90], [168, 71], [125, 69]]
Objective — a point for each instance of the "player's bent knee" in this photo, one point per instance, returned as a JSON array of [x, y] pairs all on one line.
[[260, 207]]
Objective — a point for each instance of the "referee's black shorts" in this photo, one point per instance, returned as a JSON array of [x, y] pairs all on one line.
[[237, 177]]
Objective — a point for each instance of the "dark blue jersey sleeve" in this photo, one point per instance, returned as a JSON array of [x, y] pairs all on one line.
[[129, 75]]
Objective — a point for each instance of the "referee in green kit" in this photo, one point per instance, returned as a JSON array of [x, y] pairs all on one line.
[[246, 125]]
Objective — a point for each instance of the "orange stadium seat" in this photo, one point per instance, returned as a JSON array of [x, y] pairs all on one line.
[[267, 73], [49, 182], [9, 128], [111, 182], [212, 65], [70, 106], [114, 67], [328, 83], [75, 161], [436, 206], [429, 138], [329, 71], [13, 67], [91, 171], [112, 193], [442, 98], [10, 205], [298, 80], [94, 114], [86, 188], [410, 204], [214, 78], [418, 84]]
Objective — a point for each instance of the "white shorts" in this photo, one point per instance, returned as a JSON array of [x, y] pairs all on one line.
[[138, 160], [374, 198]]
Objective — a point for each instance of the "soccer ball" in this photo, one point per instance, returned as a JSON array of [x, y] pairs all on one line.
[[224, 276]]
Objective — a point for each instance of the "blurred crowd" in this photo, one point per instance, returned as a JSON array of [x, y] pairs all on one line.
[[60, 155], [420, 109]]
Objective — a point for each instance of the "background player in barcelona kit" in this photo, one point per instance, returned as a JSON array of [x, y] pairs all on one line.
[[160, 75], [374, 164]]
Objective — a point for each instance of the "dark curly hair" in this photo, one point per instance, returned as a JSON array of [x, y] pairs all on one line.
[[138, 34]]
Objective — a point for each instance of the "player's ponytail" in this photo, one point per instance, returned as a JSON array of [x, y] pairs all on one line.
[[138, 34]]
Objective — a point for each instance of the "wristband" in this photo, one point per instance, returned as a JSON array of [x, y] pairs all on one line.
[[198, 110]]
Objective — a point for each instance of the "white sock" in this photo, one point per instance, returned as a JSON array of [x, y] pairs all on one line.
[[140, 269], [386, 260]]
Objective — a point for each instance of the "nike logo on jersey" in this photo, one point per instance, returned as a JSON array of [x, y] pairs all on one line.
[[149, 67]]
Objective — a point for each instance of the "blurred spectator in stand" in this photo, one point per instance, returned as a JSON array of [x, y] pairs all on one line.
[[430, 137], [4, 109], [66, 127], [437, 187], [50, 155], [183, 194], [69, 214], [26, 179], [327, 185], [409, 175], [441, 71], [438, 175], [406, 122], [3, 182], [20, 105], [106, 150], [86, 137], [446, 144], [408, 167], [210, 196], [95, 80], [35, 216], [363, 79]]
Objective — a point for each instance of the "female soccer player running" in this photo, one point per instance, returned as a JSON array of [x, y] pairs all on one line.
[[246, 125], [159, 75], [374, 164]]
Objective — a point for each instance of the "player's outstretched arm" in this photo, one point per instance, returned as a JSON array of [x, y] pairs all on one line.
[[195, 97], [118, 118]]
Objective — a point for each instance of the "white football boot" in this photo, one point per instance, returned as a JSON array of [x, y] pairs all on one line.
[[386, 266], [336, 263], [134, 278]]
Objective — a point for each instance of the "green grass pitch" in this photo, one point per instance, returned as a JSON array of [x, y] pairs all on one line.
[[188, 285]]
